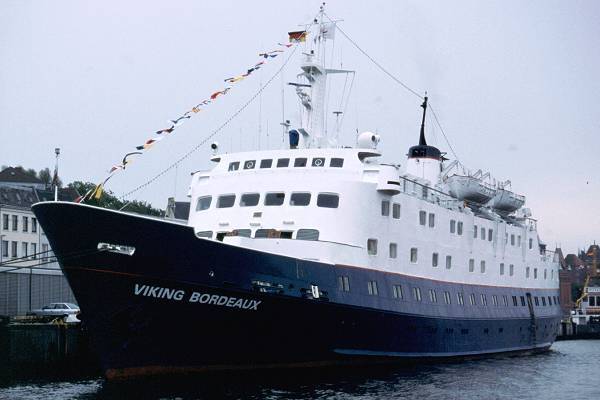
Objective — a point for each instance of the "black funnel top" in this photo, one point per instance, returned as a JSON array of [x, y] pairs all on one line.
[[423, 150]]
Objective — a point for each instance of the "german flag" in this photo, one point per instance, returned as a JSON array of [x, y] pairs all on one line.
[[297, 36]]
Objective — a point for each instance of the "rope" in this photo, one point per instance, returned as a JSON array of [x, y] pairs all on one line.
[[216, 131]]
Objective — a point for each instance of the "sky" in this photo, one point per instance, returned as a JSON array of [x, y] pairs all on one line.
[[514, 84]]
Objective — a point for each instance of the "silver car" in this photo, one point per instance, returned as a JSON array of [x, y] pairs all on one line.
[[57, 309]]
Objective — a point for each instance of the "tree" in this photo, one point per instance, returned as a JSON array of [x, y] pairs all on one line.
[[109, 200], [45, 176]]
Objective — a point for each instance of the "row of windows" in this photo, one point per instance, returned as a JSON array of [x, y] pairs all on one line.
[[398, 293], [26, 247], [6, 218], [301, 234], [285, 162], [326, 200], [385, 209]]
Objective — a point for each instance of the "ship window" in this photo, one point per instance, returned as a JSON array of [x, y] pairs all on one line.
[[483, 299], [501, 268], [226, 201], [432, 296], [397, 291], [460, 298], [417, 293], [300, 199], [448, 262], [515, 303], [471, 265], [523, 301], [447, 297], [482, 233], [234, 166], [385, 208], [431, 220], [505, 237], [505, 300], [344, 283], [527, 272], [336, 162], [459, 227], [544, 301], [495, 300], [328, 200], [475, 232], [372, 247], [300, 162], [249, 164], [286, 234], [535, 273], [283, 162], [372, 288], [519, 241], [307, 234], [241, 232], [434, 259], [452, 226], [203, 203], [512, 239], [490, 234], [266, 163], [274, 199], [482, 266], [262, 233], [545, 273], [396, 211], [550, 300], [422, 217], [249, 199], [204, 234], [592, 301], [393, 250], [511, 269], [530, 243], [318, 162], [537, 302], [413, 255], [472, 299]]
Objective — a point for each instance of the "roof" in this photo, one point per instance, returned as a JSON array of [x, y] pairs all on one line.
[[24, 197], [17, 175], [64, 194]]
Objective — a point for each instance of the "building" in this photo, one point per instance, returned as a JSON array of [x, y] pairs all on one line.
[[29, 278]]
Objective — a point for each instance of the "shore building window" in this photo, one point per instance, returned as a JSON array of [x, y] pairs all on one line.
[[15, 222], [25, 223], [34, 225], [13, 246], [5, 222], [4, 248]]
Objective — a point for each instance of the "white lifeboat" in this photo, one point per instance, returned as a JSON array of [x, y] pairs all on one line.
[[506, 201], [470, 188]]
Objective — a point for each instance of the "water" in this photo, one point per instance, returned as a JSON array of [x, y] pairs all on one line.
[[568, 371]]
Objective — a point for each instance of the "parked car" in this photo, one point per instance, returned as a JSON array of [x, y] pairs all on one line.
[[57, 309]]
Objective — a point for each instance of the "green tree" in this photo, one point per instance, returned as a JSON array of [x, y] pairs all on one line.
[[109, 200]]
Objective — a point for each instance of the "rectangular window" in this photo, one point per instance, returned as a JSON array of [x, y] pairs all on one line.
[[431, 220], [550, 300], [448, 262], [483, 299], [393, 250], [511, 269], [413, 255], [5, 222], [459, 227], [523, 301], [372, 288], [434, 260], [34, 225], [249, 164], [24, 249], [13, 246], [385, 208], [234, 166], [471, 265], [226, 201], [472, 299], [336, 163], [397, 292], [447, 299], [417, 293], [274, 199], [15, 222], [249, 199], [44, 252], [328, 200], [33, 250], [203, 234], [501, 268], [203, 203], [527, 272], [482, 233], [300, 162], [283, 162], [25, 224], [535, 273], [396, 211], [482, 265], [372, 247], [505, 300], [495, 300], [460, 298], [300, 199], [422, 217], [544, 301], [490, 235], [545, 273], [4, 248], [519, 241], [515, 303], [530, 243], [318, 162], [475, 232], [432, 296], [512, 239], [537, 302], [452, 226], [344, 283], [267, 163], [307, 234]]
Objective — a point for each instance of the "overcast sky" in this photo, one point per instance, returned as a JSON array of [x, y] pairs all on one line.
[[514, 83]]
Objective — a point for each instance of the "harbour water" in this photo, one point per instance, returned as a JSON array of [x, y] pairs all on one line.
[[568, 371]]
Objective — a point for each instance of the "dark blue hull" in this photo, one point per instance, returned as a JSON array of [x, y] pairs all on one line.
[[180, 303]]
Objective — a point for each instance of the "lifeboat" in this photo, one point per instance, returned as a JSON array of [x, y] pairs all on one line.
[[470, 188], [506, 201]]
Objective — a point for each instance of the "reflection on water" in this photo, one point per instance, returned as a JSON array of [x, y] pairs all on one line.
[[563, 373]]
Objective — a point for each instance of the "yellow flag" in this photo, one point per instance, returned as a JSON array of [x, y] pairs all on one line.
[[98, 192]]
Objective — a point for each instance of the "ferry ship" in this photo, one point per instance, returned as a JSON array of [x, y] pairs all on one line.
[[312, 255]]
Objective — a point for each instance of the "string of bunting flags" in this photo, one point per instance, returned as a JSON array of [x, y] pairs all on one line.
[[293, 38]]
